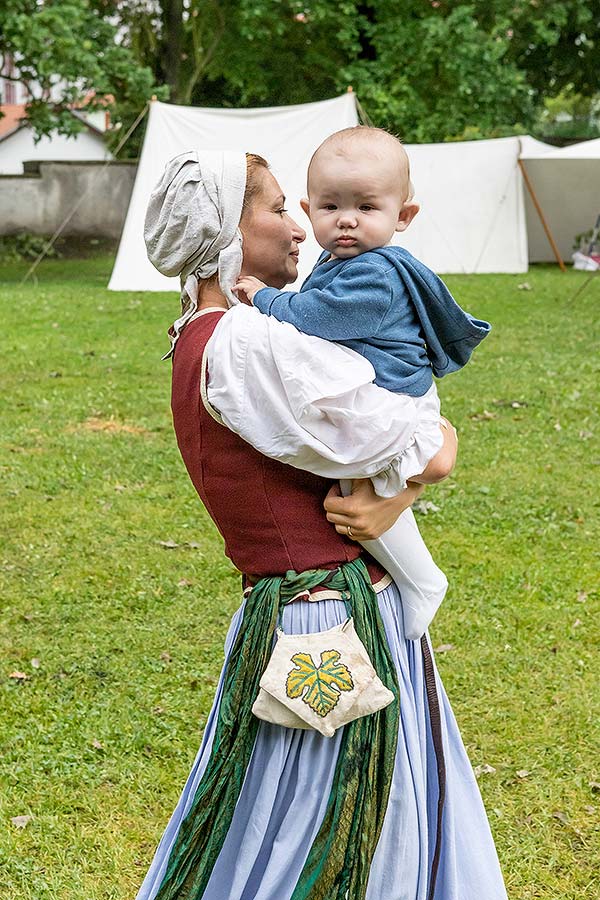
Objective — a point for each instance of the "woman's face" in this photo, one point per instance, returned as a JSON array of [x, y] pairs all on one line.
[[271, 237]]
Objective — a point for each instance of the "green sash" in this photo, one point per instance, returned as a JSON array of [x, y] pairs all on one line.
[[339, 860]]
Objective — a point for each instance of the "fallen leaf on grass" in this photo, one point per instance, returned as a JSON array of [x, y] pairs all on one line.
[[21, 821], [523, 773], [424, 507], [183, 582], [443, 648], [19, 676], [35, 663], [524, 286], [484, 769], [483, 416], [193, 545], [586, 435], [564, 819], [513, 404]]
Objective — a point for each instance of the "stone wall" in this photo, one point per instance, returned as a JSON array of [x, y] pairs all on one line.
[[94, 196]]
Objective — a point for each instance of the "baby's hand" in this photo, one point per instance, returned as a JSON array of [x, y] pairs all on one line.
[[247, 286]]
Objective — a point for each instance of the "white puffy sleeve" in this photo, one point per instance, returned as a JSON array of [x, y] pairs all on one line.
[[312, 403]]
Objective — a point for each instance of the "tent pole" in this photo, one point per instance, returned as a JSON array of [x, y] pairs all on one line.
[[540, 213], [362, 114]]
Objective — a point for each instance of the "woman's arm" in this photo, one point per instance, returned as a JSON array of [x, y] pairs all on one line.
[[312, 404]]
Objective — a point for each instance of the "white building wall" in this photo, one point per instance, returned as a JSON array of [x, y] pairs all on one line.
[[20, 147]]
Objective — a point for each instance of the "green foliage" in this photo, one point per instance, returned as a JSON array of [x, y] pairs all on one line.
[[113, 580], [582, 240], [554, 43], [24, 246], [570, 114], [430, 70], [64, 50], [435, 74]]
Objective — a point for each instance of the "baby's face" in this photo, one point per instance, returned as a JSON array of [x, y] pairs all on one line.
[[355, 202]]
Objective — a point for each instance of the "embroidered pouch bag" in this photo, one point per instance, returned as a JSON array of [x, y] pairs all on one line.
[[321, 680]]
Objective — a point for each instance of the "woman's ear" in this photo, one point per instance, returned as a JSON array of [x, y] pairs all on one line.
[[406, 215], [305, 206]]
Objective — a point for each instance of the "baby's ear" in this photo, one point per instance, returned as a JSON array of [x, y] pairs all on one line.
[[406, 215], [305, 206]]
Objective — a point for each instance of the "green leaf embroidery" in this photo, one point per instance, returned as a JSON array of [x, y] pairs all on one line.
[[324, 683]]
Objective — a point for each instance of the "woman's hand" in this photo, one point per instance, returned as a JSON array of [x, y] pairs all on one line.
[[248, 286], [367, 515]]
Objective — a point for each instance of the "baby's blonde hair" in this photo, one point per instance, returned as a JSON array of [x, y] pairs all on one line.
[[343, 142]]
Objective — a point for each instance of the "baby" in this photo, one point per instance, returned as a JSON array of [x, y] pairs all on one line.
[[383, 303]]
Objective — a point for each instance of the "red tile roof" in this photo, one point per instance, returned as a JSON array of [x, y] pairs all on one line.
[[10, 121]]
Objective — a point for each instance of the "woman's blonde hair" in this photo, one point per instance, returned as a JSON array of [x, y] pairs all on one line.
[[255, 165]]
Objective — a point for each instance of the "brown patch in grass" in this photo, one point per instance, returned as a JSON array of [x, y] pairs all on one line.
[[108, 426]]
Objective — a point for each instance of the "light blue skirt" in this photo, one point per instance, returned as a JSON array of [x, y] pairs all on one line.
[[289, 778]]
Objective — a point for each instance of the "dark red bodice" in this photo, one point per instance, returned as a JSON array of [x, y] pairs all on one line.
[[270, 515]]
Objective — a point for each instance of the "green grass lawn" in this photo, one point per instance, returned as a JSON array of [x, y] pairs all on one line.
[[116, 594]]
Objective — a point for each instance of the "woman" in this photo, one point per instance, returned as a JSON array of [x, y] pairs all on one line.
[[388, 808]]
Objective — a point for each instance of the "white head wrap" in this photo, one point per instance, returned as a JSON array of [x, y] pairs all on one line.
[[191, 227]]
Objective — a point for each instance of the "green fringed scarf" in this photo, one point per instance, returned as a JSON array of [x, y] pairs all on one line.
[[340, 857]]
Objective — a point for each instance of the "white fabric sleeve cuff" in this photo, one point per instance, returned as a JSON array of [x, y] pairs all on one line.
[[312, 404]]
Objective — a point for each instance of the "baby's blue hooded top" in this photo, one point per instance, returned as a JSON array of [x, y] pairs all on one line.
[[389, 307]]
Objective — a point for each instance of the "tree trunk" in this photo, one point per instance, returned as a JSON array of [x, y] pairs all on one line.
[[172, 45]]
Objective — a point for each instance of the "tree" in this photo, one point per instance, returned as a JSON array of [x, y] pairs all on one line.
[[239, 52], [430, 72], [555, 44], [66, 52]]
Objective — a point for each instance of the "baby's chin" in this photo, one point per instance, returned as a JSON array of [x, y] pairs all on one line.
[[348, 252]]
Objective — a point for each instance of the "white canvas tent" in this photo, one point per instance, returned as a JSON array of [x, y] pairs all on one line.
[[567, 184], [475, 215], [472, 216]]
